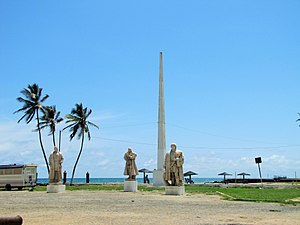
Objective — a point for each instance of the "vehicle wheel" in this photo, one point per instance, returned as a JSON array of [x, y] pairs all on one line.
[[8, 187]]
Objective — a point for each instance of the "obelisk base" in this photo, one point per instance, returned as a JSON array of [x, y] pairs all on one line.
[[130, 186], [158, 178], [174, 190], [56, 188]]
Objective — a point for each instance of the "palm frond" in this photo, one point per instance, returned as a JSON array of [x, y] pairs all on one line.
[[298, 119], [30, 113], [92, 124], [20, 99], [70, 125], [57, 117], [89, 135], [74, 131], [44, 98], [59, 120], [22, 109], [22, 118], [26, 93], [38, 91], [89, 113]]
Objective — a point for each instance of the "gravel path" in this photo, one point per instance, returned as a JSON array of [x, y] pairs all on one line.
[[117, 207]]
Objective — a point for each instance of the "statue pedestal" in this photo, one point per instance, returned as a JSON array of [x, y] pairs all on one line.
[[56, 188], [130, 186], [174, 190]]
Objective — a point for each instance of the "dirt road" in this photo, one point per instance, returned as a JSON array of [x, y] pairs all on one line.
[[117, 207]]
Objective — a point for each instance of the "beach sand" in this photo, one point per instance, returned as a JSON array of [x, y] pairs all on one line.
[[118, 207]]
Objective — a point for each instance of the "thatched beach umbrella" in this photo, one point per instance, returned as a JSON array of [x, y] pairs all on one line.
[[244, 174], [145, 171], [189, 174], [224, 174]]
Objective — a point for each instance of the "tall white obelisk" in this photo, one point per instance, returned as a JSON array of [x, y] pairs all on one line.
[[161, 148]]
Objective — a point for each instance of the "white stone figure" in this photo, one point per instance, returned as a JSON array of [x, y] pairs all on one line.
[[173, 175], [55, 161], [130, 167]]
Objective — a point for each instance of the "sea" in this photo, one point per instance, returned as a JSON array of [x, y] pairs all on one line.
[[121, 180]]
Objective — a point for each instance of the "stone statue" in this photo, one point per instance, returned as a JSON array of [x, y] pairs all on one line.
[[55, 161], [130, 167], [173, 175]]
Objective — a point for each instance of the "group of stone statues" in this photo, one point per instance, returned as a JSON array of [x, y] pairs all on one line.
[[173, 166]]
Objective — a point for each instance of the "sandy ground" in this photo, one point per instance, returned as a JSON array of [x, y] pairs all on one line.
[[117, 207]]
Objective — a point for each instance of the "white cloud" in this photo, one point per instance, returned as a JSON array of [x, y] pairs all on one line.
[[16, 139], [280, 164], [151, 163], [104, 116], [278, 160], [104, 163]]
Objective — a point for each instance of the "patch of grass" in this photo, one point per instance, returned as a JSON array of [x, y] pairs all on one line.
[[40, 188], [250, 194], [263, 195], [95, 187], [202, 189], [145, 188]]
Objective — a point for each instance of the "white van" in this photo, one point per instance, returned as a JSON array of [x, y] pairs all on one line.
[[18, 176]]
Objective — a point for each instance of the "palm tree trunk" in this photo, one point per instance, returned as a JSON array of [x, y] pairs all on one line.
[[40, 138], [74, 168], [53, 139]]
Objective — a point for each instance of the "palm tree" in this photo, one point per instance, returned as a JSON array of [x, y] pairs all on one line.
[[79, 126], [50, 119], [32, 105]]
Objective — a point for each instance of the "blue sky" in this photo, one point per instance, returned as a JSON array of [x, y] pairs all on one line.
[[231, 71]]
